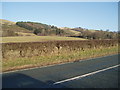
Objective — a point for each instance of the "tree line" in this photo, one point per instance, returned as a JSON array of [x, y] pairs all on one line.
[[97, 34]]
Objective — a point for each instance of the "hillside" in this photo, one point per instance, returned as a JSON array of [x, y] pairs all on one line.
[[42, 29], [34, 28], [10, 28], [70, 32], [2, 21], [96, 34]]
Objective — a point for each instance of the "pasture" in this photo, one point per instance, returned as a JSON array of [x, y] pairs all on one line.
[[36, 39]]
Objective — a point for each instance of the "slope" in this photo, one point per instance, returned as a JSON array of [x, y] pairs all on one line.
[[10, 28]]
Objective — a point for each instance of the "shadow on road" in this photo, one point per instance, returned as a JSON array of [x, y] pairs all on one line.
[[17, 80]]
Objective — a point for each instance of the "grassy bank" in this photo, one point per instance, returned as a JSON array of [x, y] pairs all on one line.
[[38, 61]]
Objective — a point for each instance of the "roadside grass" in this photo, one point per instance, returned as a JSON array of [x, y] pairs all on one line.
[[38, 61], [36, 39]]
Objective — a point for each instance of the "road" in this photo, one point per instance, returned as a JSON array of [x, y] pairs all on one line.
[[99, 72]]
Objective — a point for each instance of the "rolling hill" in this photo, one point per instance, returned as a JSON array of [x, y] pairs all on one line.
[[42, 29], [21, 28], [10, 28], [70, 31], [2, 21]]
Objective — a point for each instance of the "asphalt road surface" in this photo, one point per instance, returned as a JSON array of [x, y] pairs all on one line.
[[99, 72]]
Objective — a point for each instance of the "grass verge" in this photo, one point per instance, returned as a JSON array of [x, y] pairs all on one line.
[[38, 61]]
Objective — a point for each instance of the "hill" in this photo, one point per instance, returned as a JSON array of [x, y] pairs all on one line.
[[10, 28], [42, 29], [96, 34], [70, 32], [34, 28], [2, 21]]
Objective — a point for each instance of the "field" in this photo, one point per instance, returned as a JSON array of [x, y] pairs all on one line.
[[36, 39]]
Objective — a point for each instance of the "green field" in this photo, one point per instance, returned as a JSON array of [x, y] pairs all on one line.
[[36, 38]]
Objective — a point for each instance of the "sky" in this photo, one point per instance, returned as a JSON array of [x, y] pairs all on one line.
[[90, 15]]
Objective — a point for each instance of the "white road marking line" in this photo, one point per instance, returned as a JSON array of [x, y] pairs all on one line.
[[85, 75], [57, 64]]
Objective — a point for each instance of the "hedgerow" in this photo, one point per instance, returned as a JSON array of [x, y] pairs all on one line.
[[30, 49]]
